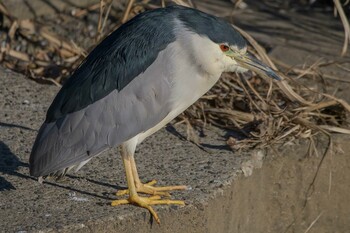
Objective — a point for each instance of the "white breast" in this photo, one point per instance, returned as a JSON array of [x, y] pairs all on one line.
[[188, 80]]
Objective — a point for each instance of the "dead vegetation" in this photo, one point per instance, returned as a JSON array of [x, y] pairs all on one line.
[[256, 111]]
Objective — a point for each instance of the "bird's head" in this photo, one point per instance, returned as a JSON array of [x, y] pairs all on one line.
[[216, 46], [239, 60]]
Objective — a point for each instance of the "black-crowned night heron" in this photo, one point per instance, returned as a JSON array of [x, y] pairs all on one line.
[[133, 83]]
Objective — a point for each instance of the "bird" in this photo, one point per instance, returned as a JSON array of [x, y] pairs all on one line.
[[134, 82]]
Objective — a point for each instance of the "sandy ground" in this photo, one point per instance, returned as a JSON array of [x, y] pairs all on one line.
[[292, 192]]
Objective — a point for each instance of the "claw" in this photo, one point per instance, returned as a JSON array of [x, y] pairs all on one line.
[[148, 188], [147, 202], [151, 183], [139, 189], [135, 186]]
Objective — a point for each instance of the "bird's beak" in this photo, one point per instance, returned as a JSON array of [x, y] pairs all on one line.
[[249, 62]]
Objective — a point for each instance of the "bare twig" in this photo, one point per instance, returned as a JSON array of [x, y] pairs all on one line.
[[346, 26], [103, 19], [100, 16], [313, 223], [183, 3], [127, 11]]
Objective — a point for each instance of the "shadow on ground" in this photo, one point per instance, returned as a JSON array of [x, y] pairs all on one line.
[[9, 164]]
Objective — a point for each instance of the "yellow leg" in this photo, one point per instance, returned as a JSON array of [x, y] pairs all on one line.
[[148, 188], [134, 198]]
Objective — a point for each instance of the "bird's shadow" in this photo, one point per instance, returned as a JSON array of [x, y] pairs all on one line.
[[9, 164], [203, 146], [238, 134], [9, 125]]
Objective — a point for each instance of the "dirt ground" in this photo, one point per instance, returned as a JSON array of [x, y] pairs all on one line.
[[290, 192]]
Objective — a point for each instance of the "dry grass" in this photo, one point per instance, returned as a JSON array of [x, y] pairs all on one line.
[[262, 112], [257, 111], [35, 64]]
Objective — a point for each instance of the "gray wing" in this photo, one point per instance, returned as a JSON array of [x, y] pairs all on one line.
[[108, 122], [116, 93]]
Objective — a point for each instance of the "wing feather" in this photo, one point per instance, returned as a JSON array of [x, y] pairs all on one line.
[[106, 101], [108, 122]]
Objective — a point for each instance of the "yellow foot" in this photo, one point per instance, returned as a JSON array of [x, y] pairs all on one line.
[[148, 188], [146, 202]]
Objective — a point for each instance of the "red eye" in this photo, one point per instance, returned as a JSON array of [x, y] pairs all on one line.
[[224, 48]]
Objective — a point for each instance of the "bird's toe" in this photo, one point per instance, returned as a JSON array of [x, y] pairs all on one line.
[[148, 188], [147, 202]]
